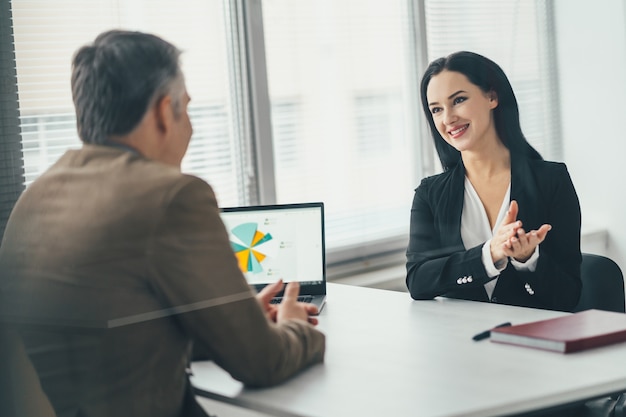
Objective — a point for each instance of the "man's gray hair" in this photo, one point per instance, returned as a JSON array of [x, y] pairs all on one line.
[[118, 77]]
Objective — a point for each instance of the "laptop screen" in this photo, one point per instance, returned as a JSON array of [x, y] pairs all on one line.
[[278, 241]]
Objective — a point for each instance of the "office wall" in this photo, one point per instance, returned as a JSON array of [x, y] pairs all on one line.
[[591, 49]]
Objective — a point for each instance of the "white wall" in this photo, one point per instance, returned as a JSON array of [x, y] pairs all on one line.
[[591, 55]]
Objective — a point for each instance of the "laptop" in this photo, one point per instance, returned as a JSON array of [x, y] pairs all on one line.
[[284, 241]]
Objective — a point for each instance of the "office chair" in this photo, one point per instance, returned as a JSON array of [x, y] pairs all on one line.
[[603, 289], [603, 284]]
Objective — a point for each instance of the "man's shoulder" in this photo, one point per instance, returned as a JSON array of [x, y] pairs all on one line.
[[118, 175], [113, 164]]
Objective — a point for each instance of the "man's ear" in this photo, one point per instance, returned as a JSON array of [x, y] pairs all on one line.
[[163, 113]]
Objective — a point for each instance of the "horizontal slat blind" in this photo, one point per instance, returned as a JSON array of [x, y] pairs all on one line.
[[515, 34], [48, 33], [340, 76]]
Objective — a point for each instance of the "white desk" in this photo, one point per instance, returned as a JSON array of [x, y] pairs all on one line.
[[388, 355]]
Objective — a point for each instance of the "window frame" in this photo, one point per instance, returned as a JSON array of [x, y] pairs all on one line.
[[353, 257], [252, 110], [12, 170]]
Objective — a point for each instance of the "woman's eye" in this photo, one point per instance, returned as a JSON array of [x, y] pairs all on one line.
[[458, 100], [434, 110]]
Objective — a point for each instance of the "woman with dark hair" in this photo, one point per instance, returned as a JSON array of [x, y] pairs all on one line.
[[500, 224]]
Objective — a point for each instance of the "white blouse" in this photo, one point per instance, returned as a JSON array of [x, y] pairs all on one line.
[[475, 229]]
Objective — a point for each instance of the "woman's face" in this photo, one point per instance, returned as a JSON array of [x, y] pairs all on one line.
[[461, 111]]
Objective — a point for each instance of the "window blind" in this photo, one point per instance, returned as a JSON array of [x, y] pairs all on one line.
[[340, 76], [342, 79], [518, 36], [48, 33]]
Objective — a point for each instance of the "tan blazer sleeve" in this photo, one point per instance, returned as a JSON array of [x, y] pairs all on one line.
[[21, 394], [192, 264]]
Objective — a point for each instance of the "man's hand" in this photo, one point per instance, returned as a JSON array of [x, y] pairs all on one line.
[[265, 296], [290, 308]]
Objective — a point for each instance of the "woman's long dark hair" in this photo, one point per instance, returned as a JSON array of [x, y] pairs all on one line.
[[489, 77]]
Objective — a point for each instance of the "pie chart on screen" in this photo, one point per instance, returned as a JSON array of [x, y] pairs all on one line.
[[252, 247]]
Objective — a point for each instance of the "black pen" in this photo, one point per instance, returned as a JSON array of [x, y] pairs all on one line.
[[487, 333]]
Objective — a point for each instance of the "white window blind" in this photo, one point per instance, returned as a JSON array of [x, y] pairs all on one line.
[[518, 36], [341, 79], [48, 33]]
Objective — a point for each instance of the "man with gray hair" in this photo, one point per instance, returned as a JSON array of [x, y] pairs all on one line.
[[114, 262]]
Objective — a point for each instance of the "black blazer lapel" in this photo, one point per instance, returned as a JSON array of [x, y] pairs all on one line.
[[524, 190], [452, 207]]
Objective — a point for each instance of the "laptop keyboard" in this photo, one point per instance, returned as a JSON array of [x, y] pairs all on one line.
[[301, 298]]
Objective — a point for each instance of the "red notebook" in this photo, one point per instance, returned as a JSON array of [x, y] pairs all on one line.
[[571, 333]]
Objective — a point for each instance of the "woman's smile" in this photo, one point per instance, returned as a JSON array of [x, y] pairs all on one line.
[[457, 132]]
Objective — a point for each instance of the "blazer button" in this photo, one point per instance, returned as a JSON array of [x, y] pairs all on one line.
[[494, 299], [470, 279], [459, 281], [529, 289]]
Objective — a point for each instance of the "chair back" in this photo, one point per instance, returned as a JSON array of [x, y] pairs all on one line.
[[603, 284]]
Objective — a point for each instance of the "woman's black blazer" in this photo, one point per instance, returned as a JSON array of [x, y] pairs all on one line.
[[439, 265]]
